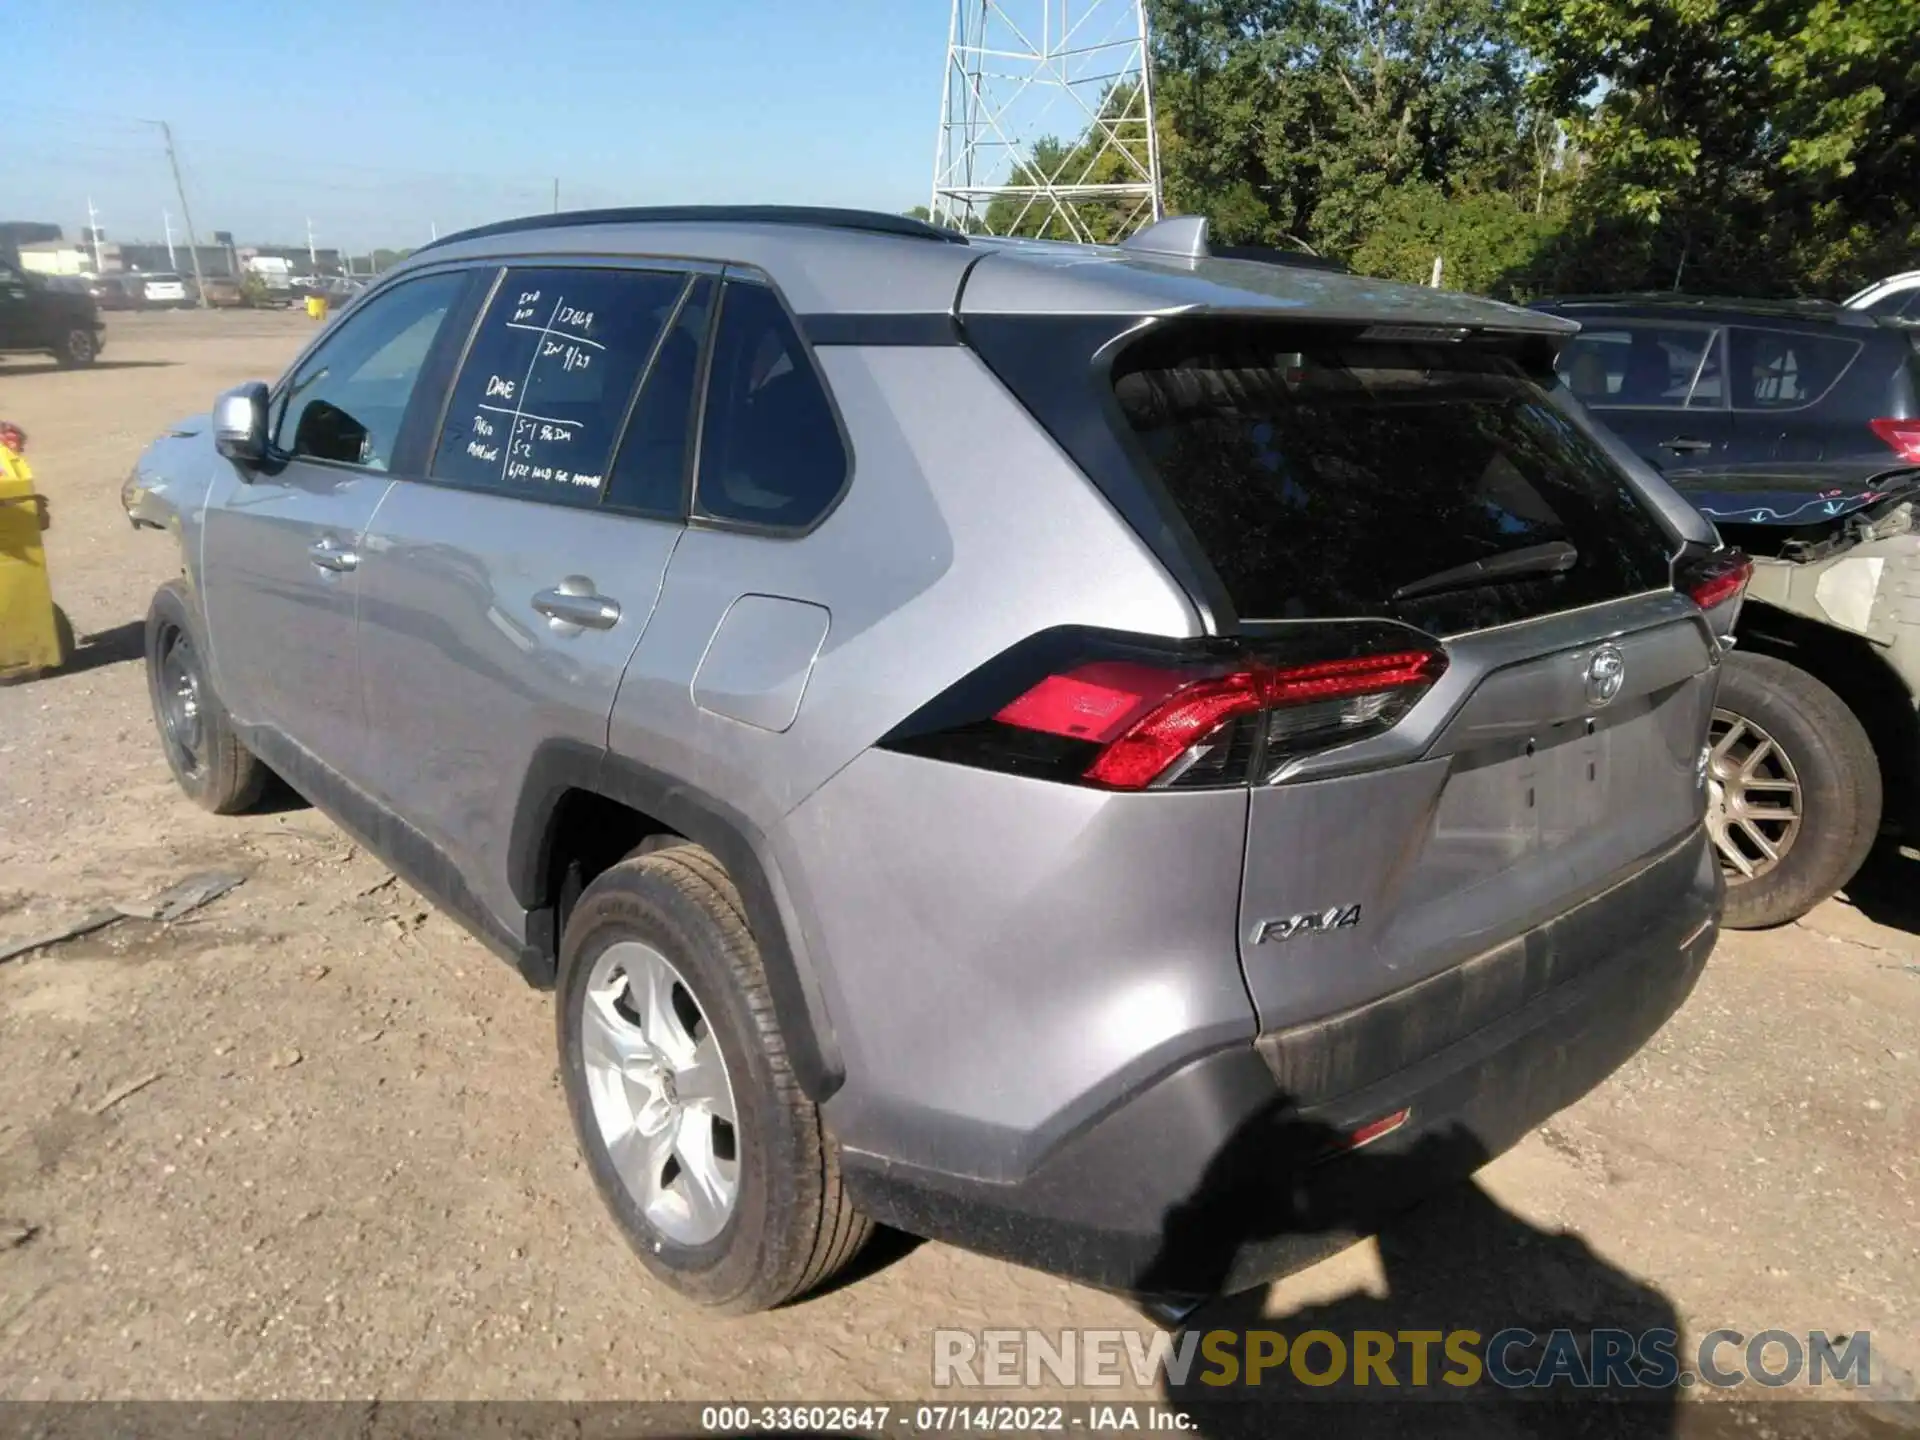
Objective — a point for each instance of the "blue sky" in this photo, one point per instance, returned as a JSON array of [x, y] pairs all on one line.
[[378, 120]]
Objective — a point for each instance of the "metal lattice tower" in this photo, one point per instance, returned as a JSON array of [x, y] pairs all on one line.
[[1047, 120]]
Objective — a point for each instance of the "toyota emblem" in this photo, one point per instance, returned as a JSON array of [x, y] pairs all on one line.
[[1606, 673]]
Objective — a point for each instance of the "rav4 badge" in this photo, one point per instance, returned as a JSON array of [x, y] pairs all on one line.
[[1338, 917]]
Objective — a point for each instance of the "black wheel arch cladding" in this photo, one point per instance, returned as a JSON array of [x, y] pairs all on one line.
[[562, 768]]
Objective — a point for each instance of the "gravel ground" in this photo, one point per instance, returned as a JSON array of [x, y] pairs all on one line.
[[348, 1173]]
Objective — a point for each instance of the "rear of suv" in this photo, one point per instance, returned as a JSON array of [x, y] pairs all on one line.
[[1135, 762]]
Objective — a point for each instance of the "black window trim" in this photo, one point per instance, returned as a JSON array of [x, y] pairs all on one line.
[[753, 275], [1715, 333], [406, 436], [691, 267], [688, 443], [1859, 348], [1716, 341]]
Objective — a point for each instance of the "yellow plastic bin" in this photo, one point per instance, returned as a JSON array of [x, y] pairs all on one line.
[[29, 627], [316, 307]]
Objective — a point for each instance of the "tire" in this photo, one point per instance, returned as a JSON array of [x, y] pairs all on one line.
[[75, 348], [208, 760], [1775, 726], [789, 1225]]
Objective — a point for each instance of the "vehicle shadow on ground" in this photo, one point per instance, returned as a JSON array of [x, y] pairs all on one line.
[[13, 369], [1887, 889], [106, 647], [1458, 1262], [887, 1247]]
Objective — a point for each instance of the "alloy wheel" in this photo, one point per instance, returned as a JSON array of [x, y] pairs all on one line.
[[661, 1095], [1753, 798]]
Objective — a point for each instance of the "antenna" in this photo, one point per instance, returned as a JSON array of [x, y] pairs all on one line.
[[1047, 120]]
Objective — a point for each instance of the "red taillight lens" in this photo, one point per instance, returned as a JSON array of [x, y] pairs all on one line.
[[1127, 712], [1095, 702], [1186, 719], [1900, 436], [1715, 579], [1147, 718]]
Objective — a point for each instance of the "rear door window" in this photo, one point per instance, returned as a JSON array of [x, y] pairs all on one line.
[[770, 448], [544, 391], [1648, 366], [1783, 369], [1325, 475]]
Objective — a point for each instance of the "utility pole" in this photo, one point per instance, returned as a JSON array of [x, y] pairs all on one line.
[[193, 243], [93, 233], [166, 226], [556, 194], [313, 260]]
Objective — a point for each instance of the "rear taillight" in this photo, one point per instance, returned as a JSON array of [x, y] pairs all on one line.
[[1901, 436], [1712, 580], [1129, 714]]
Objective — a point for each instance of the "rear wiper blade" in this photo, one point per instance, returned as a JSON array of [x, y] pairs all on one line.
[[1555, 557]]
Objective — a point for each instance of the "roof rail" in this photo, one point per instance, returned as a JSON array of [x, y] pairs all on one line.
[[872, 222]]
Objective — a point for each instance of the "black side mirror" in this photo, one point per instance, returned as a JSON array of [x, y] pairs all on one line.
[[240, 423]]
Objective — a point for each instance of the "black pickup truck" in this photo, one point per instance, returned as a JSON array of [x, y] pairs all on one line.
[[37, 318]]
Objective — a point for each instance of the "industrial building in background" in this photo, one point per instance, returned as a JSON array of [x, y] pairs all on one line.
[[1047, 120]]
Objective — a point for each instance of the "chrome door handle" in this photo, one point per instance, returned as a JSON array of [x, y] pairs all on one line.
[[574, 602], [1685, 445], [330, 554]]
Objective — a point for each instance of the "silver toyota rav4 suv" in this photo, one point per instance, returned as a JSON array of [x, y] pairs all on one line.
[[1135, 762]]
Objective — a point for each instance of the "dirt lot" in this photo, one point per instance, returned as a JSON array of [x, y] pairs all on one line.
[[353, 1177]]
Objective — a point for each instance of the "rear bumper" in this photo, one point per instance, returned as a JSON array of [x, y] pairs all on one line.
[[1216, 1178]]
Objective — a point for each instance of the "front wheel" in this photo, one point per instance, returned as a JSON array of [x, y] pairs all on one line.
[[1793, 791], [711, 1159], [76, 347], [207, 757]]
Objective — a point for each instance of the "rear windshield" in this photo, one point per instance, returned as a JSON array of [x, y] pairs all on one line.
[[1327, 475]]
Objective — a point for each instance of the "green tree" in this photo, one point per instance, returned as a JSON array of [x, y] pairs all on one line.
[[1299, 121], [1757, 145], [1490, 240]]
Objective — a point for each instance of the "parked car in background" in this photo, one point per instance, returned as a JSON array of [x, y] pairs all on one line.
[[38, 318], [162, 290], [1057, 764], [1694, 383], [1897, 297], [114, 292], [1795, 428], [274, 276], [1816, 748], [222, 292]]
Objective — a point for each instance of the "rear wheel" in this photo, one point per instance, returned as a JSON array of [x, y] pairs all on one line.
[[711, 1159], [207, 757], [1793, 791], [75, 347]]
